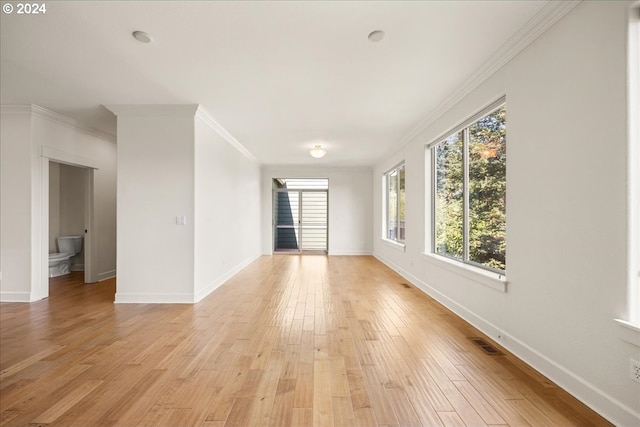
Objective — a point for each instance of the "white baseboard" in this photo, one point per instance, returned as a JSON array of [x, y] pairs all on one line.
[[106, 275], [335, 252], [350, 253], [147, 298], [226, 276], [604, 404], [482, 324], [15, 297], [601, 402]]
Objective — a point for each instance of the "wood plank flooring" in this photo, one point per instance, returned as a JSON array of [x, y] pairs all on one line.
[[289, 341]]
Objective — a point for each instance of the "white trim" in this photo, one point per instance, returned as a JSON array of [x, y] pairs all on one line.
[[484, 111], [16, 109], [397, 166], [495, 280], [60, 156], [153, 110], [479, 322], [57, 118], [479, 275], [330, 252], [550, 13], [222, 279], [607, 406], [151, 298], [393, 244], [40, 230], [356, 252], [90, 237], [106, 275], [15, 297], [175, 298], [210, 121], [633, 165], [385, 212], [629, 332]]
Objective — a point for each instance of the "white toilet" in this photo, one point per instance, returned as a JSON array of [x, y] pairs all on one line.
[[60, 263]]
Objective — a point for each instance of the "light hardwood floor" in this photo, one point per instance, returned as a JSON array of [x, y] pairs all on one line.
[[289, 341]]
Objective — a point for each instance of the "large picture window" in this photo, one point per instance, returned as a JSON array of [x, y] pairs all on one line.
[[469, 208], [395, 204]]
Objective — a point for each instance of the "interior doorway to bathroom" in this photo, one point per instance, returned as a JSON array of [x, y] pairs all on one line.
[[300, 215], [67, 204], [68, 208]]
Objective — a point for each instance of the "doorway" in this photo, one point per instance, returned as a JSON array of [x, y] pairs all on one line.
[[89, 248], [67, 208], [300, 215]]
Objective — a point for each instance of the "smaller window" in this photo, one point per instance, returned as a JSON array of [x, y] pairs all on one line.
[[395, 204]]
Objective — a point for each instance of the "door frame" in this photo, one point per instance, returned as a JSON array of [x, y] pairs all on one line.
[[299, 225], [90, 242]]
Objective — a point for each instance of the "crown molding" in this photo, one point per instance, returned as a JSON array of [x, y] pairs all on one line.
[[72, 123], [153, 110], [210, 121], [16, 109], [57, 118], [191, 110], [546, 17]]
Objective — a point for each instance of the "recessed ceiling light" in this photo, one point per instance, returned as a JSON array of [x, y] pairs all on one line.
[[143, 37], [376, 36]]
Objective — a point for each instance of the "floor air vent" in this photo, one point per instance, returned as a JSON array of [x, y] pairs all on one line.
[[486, 347]]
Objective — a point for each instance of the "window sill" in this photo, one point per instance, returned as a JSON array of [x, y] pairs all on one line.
[[393, 244], [629, 332], [487, 278]]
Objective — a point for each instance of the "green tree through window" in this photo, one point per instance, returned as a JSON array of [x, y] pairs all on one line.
[[470, 193]]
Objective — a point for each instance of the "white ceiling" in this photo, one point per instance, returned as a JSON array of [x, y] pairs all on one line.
[[278, 76]]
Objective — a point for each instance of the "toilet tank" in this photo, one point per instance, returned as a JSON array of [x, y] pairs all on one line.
[[70, 244]]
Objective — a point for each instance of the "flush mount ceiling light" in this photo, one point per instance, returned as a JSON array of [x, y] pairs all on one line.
[[141, 36], [376, 36], [318, 152]]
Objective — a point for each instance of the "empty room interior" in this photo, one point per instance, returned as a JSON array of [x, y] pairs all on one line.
[[320, 213]]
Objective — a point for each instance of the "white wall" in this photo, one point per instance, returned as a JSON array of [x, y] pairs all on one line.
[[175, 161], [350, 201], [63, 140], [15, 206], [566, 211], [105, 207], [227, 209], [155, 185], [30, 136]]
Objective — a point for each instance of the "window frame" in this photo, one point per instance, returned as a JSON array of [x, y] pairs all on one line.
[[386, 176], [634, 168], [461, 128], [630, 326]]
